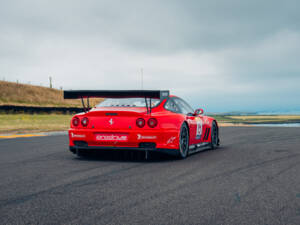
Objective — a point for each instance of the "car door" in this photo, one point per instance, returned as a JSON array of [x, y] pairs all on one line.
[[195, 122]]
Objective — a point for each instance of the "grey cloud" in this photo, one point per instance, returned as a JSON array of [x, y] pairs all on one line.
[[158, 26], [237, 50]]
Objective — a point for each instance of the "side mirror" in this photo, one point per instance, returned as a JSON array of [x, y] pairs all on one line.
[[198, 112]]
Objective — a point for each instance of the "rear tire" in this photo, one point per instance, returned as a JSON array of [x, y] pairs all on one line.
[[214, 136], [184, 141]]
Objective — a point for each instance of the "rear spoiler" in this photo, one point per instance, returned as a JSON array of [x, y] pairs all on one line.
[[76, 94], [116, 94]]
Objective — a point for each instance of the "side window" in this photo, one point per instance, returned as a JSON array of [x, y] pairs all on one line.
[[184, 107], [171, 106]]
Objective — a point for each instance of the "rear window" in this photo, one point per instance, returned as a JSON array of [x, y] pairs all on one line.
[[128, 102]]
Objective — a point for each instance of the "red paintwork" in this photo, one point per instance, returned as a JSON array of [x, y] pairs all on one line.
[[165, 134]]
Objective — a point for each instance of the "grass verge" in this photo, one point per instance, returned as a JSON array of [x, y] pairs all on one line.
[[31, 95], [26, 123]]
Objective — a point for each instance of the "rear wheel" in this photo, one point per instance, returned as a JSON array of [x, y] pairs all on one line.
[[184, 141], [214, 136]]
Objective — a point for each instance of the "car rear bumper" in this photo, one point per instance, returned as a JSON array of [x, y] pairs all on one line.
[[151, 140]]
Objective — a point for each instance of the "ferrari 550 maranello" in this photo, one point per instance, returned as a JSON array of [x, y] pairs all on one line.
[[142, 120]]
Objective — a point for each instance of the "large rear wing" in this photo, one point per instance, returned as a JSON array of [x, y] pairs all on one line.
[[115, 94], [147, 94]]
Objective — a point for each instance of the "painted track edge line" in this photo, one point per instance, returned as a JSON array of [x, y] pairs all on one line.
[[12, 136]]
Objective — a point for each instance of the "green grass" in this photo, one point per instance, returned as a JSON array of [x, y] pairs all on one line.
[[31, 95], [26, 123]]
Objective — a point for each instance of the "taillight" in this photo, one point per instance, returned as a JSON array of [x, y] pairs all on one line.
[[85, 121], [152, 122], [140, 122], [75, 121]]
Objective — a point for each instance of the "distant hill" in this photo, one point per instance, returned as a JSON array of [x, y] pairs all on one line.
[[12, 93]]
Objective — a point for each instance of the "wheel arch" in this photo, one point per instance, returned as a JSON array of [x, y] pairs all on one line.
[[187, 124]]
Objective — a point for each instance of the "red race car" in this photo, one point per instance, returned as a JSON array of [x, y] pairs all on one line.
[[142, 120]]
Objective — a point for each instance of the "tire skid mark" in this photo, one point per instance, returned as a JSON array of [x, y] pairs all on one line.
[[67, 173], [269, 178], [22, 199], [97, 181], [252, 190], [171, 190], [27, 161], [245, 168], [226, 174], [41, 158]]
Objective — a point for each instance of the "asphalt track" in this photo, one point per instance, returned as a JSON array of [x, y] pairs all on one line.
[[254, 178]]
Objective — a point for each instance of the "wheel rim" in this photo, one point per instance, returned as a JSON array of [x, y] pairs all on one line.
[[184, 141]]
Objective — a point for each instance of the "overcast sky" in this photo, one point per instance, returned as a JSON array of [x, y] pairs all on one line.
[[219, 55]]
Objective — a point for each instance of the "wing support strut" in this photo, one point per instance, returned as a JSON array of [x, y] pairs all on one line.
[[85, 109], [149, 107]]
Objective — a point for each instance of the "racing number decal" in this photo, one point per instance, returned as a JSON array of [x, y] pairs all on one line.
[[199, 128]]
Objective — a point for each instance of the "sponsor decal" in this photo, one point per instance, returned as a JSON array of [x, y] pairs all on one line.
[[111, 137], [200, 145], [139, 137], [78, 135], [171, 140], [199, 128], [206, 121]]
